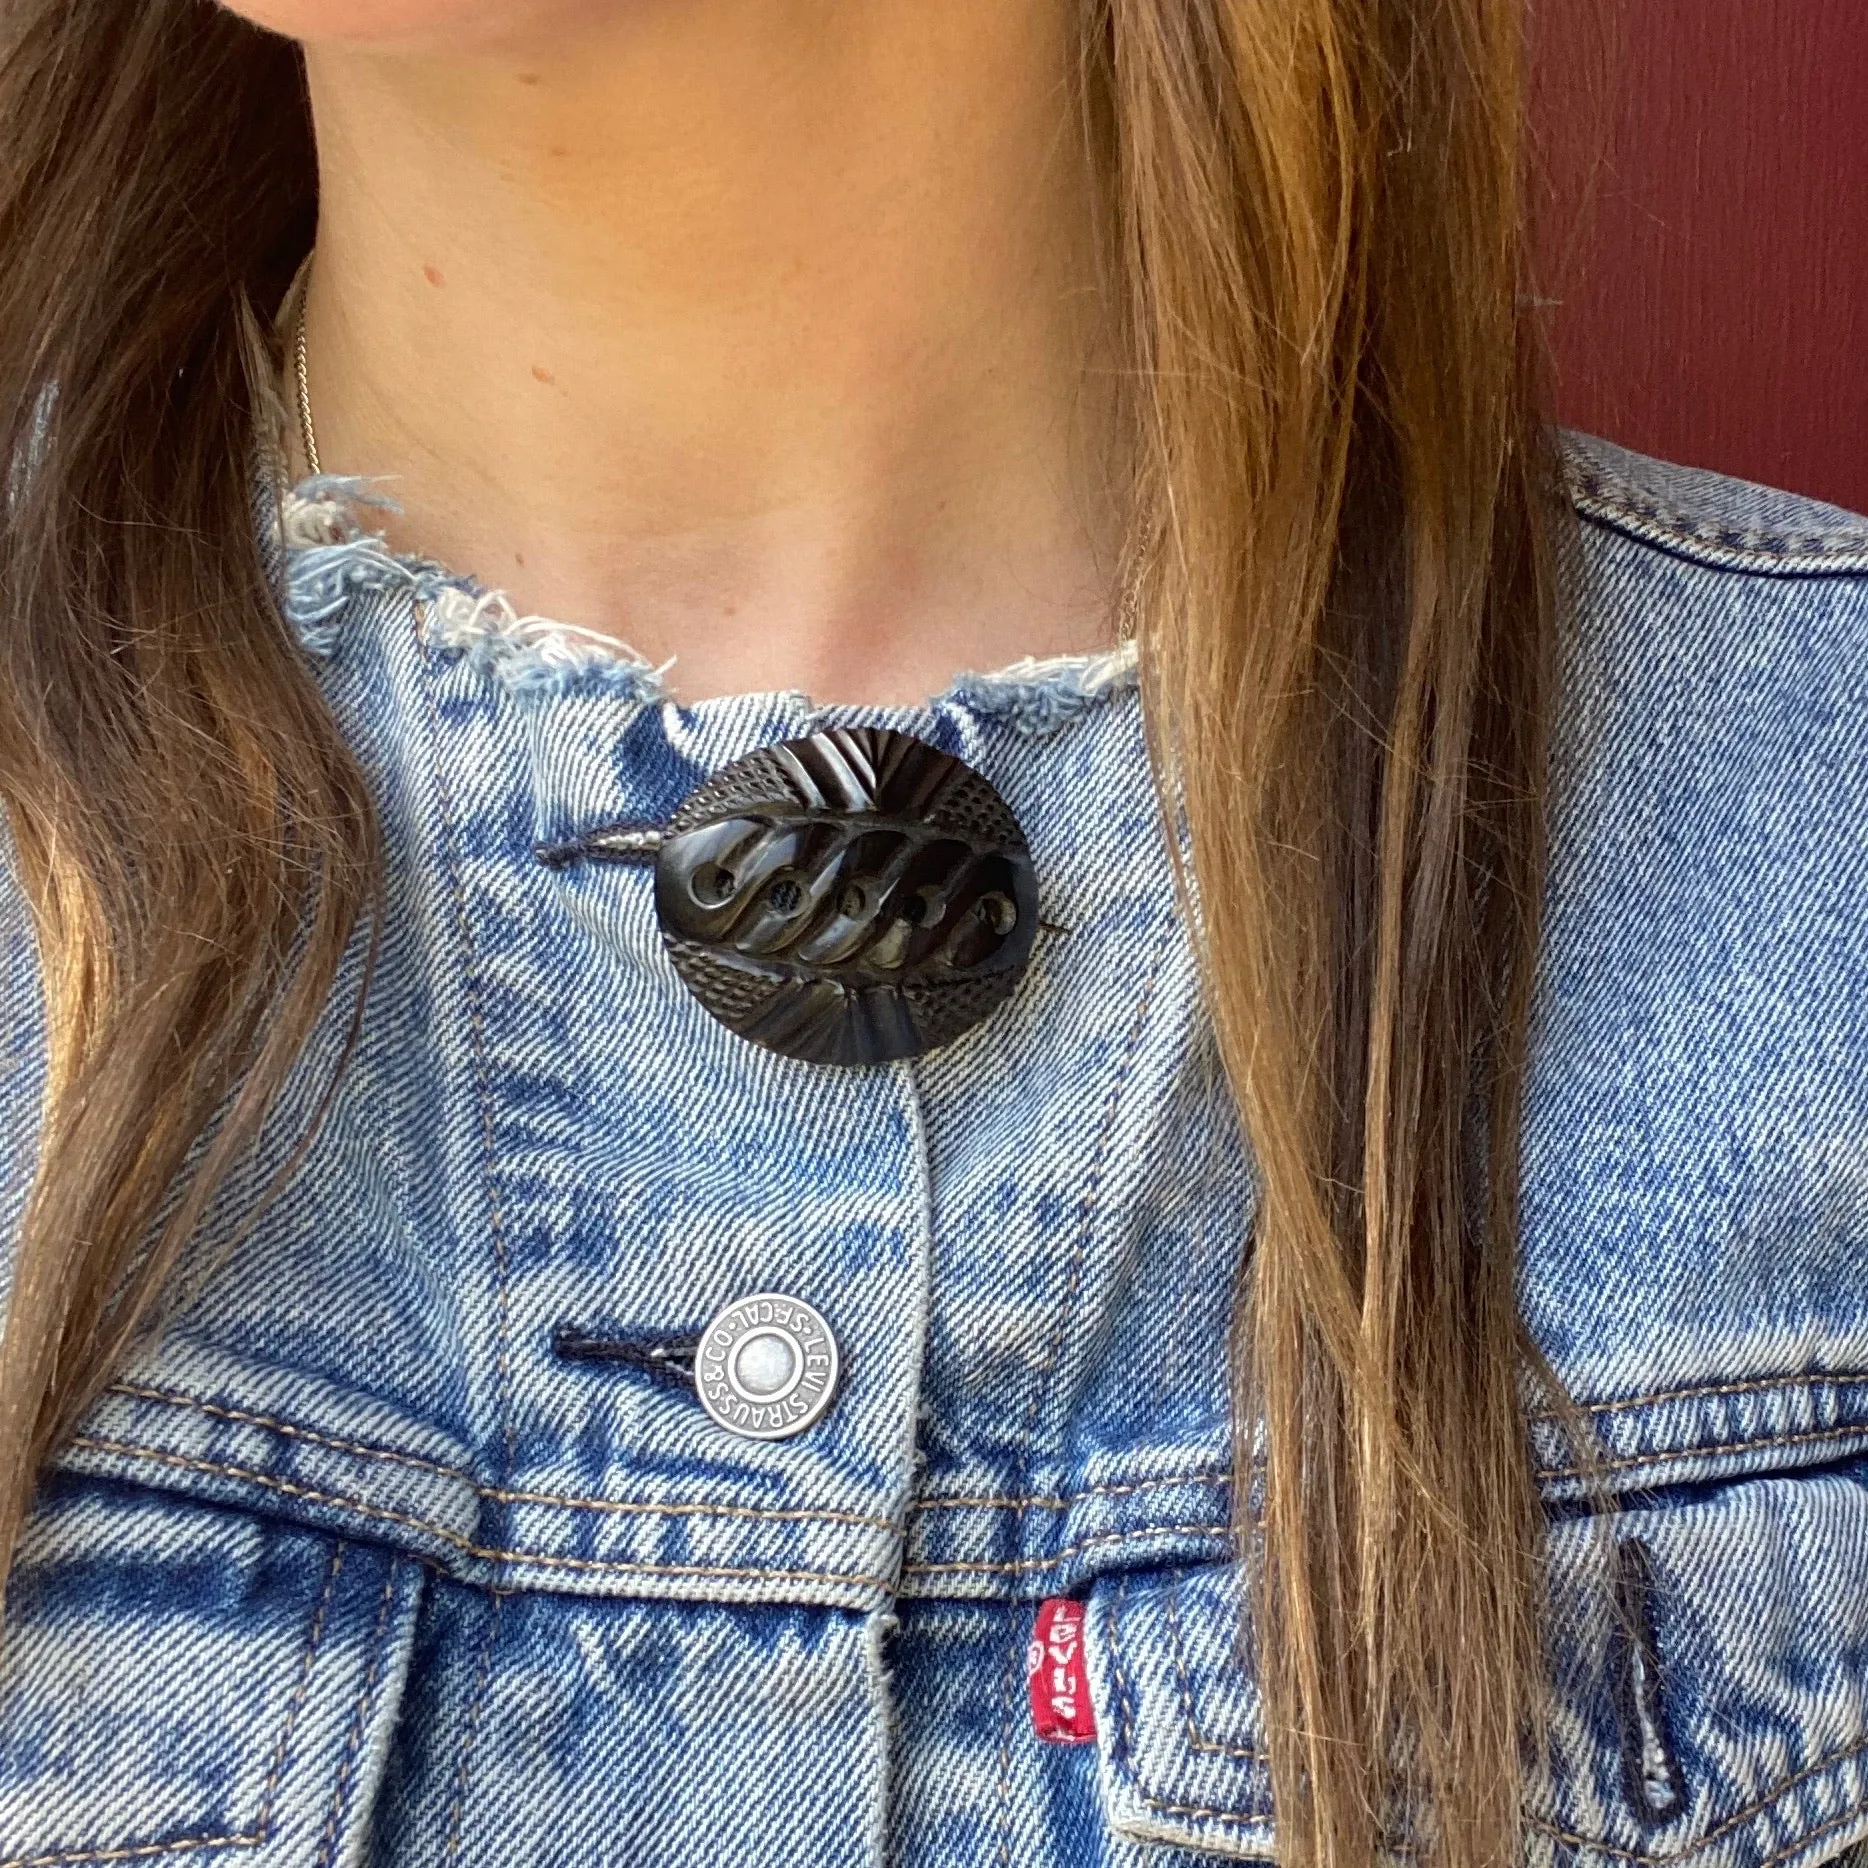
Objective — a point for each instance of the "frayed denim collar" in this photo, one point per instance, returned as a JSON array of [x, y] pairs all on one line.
[[330, 557]]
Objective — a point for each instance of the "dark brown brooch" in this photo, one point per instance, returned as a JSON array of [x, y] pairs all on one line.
[[847, 898]]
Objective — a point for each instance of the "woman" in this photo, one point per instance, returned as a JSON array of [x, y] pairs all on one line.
[[607, 1256]]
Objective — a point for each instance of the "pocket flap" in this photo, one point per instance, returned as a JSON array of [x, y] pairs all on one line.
[[1709, 1703], [178, 1681], [1711, 1697], [1179, 1733]]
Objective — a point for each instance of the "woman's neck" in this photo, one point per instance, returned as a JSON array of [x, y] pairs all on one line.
[[764, 334]]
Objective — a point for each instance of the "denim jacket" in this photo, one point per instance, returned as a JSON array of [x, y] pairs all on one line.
[[368, 1557]]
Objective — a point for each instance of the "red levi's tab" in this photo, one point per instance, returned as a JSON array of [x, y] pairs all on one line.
[[1056, 1676]]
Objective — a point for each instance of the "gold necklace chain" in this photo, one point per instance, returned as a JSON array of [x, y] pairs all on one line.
[[307, 434]]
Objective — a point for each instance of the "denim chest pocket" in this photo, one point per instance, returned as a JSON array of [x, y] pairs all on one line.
[[1709, 1698], [181, 1684], [1179, 1730]]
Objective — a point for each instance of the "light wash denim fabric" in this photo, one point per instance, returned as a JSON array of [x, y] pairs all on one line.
[[350, 1567]]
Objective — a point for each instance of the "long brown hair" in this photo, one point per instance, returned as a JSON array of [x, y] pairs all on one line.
[[1315, 224]]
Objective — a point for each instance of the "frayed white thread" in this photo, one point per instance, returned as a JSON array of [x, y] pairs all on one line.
[[320, 510], [330, 558], [1040, 694], [532, 652]]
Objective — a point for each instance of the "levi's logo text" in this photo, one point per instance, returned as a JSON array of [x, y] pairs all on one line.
[[1057, 1678]]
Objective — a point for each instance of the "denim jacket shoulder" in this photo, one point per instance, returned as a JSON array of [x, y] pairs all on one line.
[[1027, 1245], [1697, 1134]]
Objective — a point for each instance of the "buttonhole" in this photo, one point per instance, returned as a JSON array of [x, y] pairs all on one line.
[[1653, 1772], [669, 1359], [608, 843]]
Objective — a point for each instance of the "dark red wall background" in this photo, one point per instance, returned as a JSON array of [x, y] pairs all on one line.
[[1708, 240]]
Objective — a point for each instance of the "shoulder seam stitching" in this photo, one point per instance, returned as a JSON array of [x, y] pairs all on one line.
[[1601, 496]]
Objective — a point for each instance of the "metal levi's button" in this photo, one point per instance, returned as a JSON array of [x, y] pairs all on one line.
[[847, 898], [766, 1367]]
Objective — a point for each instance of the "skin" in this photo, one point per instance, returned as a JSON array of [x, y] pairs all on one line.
[[762, 334]]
